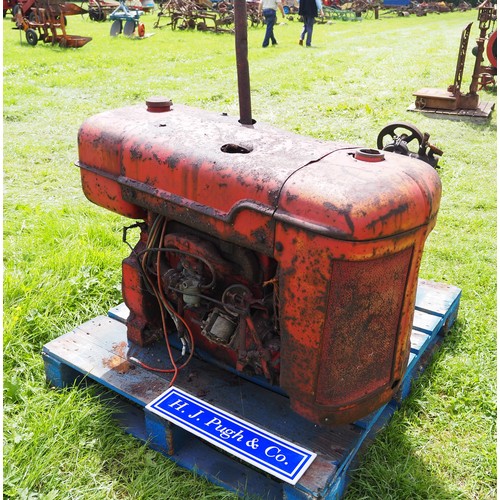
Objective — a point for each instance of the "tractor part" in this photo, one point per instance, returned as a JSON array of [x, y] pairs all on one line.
[[285, 259], [289, 260], [453, 99], [397, 137]]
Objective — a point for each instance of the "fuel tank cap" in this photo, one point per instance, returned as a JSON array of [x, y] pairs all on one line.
[[158, 104], [371, 155]]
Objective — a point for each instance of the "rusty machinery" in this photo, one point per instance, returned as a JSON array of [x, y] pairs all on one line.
[[453, 98], [126, 21], [487, 73], [289, 260], [201, 15], [100, 10], [46, 22]]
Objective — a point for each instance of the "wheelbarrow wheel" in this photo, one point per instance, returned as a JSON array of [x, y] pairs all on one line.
[[31, 37]]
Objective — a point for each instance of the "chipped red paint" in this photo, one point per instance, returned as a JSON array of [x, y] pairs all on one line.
[[327, 244]]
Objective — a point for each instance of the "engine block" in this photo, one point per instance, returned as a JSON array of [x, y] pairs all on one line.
[[287, 259]]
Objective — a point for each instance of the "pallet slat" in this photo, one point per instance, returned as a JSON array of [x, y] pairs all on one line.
[[482, 112]]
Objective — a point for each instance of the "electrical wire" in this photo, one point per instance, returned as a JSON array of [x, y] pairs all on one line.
[[157, 290]]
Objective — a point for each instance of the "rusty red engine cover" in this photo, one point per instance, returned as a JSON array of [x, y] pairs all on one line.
[[283, 257]]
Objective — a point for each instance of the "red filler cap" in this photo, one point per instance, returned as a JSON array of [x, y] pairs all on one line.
[[372, 155], [158, 104]]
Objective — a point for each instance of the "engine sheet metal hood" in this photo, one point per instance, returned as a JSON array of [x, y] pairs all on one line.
[[359, 200], [210, 163], [181, 152]]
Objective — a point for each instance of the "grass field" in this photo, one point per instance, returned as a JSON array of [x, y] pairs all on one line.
[[62, 255]]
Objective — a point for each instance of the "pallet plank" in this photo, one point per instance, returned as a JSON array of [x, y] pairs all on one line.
[[481, 113], [436, 298], [418, 340]]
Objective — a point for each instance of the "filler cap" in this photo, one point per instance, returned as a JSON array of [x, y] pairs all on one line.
[[158, 104]]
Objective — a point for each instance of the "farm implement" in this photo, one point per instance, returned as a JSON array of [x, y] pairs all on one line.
[[189, 14], [47, 23], [100, 10], [453, 100], [204, 15], [126, 21]]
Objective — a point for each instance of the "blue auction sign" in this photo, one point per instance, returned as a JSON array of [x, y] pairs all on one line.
[[256, 446]]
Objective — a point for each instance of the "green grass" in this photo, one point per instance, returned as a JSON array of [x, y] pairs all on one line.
[[62, 254]]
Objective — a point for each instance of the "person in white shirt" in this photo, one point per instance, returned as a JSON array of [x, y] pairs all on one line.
[[268, 9]]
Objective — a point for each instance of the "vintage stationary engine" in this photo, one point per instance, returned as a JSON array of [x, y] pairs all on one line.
[[287, 259]]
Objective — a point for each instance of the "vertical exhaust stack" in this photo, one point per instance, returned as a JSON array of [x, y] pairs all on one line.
[[241, 45]]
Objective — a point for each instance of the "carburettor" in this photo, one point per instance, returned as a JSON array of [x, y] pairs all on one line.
[[285, 258]]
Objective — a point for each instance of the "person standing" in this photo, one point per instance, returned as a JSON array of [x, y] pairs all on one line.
[[309, 9], [268, 8]]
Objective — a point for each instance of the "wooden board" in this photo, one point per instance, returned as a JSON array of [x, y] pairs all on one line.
[[99, 351], [481, 113], [436, 98]]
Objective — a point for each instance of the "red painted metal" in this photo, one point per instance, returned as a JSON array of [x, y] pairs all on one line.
[[280, 256], [491, 49]]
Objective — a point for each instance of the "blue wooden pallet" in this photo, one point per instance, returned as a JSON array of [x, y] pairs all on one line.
[[99, 351]]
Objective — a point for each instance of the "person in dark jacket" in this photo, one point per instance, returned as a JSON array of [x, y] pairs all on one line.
[[309, 9]]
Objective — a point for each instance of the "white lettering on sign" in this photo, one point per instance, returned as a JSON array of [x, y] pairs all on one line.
[[255, 445]]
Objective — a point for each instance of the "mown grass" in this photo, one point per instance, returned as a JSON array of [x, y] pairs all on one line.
[[62, 255]]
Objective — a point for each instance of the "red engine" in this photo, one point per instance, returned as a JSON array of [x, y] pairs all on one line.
[[282, 257]]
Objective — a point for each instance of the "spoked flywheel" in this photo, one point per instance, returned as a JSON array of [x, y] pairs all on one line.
[[395, 137], [399, 137]]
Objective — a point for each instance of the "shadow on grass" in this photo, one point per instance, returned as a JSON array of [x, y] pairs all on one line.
[[391, 467]]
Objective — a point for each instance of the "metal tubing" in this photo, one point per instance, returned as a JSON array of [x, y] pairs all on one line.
[[241, 44]]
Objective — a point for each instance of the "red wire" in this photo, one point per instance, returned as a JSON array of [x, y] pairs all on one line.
[[163, 303]]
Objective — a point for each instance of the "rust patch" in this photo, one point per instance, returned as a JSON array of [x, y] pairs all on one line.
[[120, 348], [320, 469], [345, 213], [147, 389], [135, 153], [118, 361], [398, 211]]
